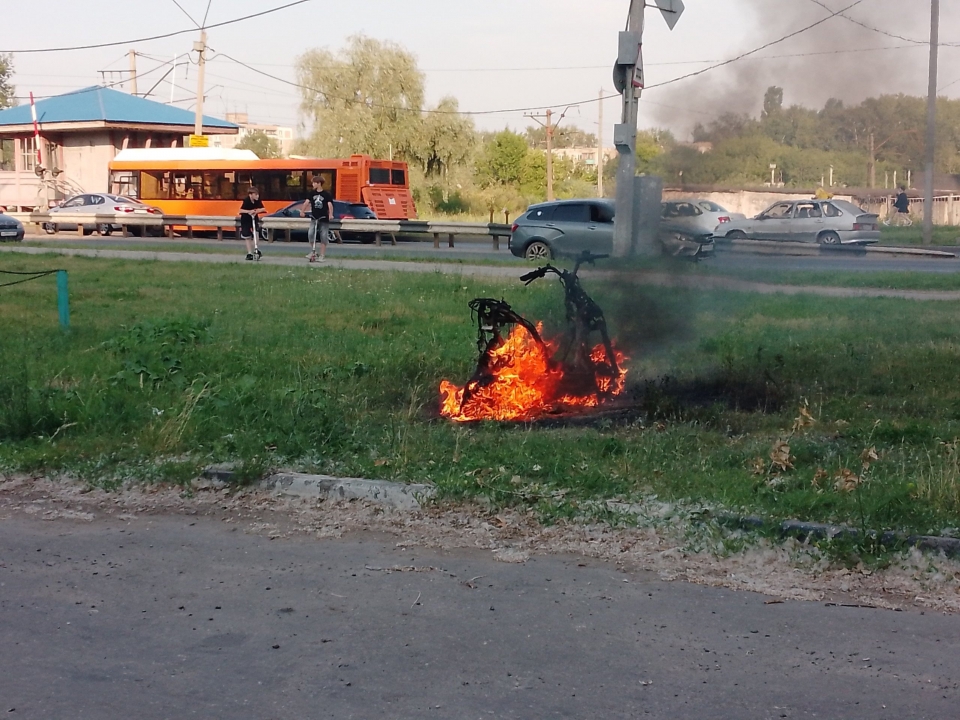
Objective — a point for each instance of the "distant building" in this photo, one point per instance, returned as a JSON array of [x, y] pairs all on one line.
[[283, 135], [585, 155], [81, 132]]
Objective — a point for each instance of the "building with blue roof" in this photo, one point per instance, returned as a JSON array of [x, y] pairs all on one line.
[[81, 132]]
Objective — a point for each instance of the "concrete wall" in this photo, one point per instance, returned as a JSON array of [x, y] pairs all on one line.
[[20, 190]]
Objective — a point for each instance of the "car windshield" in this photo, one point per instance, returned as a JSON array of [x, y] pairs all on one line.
[[121, 199], [711, 206], [847, 206]]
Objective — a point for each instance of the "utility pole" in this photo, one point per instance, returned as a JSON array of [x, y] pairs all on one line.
[[931, 123], [550, 128], [133, 72], [600, 148], [625, 134], [873, 163], [201, 47]]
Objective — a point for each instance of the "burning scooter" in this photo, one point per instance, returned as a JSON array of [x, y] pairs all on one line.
[[523, 376]]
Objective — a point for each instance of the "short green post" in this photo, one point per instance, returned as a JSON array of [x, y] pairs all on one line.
[[63, 299]]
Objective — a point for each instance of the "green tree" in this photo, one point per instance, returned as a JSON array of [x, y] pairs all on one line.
[[262, 144], [7, 90], [501, 160], [446, 140], [772, 102], [365, 99]]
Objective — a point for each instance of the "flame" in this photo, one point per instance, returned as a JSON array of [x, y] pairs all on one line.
[[522, 383]]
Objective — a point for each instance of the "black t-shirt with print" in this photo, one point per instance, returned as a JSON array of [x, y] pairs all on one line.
[[246, 221], [320, 204]]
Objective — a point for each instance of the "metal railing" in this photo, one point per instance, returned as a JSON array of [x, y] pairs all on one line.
[[171, 225]]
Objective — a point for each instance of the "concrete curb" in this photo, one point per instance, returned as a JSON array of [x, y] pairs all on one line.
[[769, 247], [799, 529], [399, 496]]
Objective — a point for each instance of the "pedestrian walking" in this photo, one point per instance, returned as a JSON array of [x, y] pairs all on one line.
[[251, 209], [901, 206], [320, 205]]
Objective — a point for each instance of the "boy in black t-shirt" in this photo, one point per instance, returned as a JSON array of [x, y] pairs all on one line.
[[252, 208], [320, 205]]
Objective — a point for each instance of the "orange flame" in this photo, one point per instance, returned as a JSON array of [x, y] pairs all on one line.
[[523, 383]]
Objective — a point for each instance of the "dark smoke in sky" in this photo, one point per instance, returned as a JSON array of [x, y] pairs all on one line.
[[810, 80]]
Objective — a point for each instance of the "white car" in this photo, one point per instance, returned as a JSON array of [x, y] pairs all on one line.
[[99, 204]]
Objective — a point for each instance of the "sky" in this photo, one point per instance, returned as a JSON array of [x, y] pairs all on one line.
[[497, 54]]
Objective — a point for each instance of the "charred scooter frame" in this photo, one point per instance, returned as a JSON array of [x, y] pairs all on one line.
[[584, 317]]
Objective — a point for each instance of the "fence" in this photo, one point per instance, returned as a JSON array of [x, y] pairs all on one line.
[[379, 230]]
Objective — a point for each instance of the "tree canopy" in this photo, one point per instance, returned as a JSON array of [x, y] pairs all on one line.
[[7, 90], [262, 144]]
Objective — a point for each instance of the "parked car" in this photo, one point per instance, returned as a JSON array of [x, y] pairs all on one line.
[[568, 227], [828, 222], [342, 210], [11, 229], [98, 203], [697, 216]]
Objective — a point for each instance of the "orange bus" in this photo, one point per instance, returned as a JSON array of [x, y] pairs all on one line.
[[214, 181]]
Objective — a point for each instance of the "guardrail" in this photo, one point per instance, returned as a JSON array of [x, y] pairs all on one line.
[[169, 224]]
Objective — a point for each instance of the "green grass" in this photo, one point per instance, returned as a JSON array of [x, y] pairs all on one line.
[[913, 235], [169, 367]]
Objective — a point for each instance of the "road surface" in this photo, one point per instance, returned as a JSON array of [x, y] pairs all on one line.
[[180, 616]]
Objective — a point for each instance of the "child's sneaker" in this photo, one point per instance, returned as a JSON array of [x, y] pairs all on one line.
[[322, 258], [249, 256]]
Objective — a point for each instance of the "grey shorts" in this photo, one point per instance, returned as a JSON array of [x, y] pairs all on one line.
[[319, 230]]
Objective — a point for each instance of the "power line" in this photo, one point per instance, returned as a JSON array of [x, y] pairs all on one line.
[[183, 10], [207, 13], [156, 37], [878, 30], [756, 50]]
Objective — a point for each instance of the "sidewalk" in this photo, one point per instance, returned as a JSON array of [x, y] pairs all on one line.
[[656, 279]]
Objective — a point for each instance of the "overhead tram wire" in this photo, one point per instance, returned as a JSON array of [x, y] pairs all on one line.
[[184, 11], [94, 88], [156, 37]]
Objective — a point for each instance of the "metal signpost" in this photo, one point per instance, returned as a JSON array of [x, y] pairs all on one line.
[[628, 79]]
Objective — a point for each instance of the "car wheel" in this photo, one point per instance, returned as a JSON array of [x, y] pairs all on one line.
[[736, 235], [828, 238], [50, 228], [104, 229], [538, 250]]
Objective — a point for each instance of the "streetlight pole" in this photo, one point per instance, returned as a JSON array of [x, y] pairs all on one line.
[[201, 47], [931, 154]]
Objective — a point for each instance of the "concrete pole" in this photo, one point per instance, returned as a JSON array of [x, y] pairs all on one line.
[[931, 123], [600, 148], [625, 138], [133, 72], [201, 65], [550, 196]]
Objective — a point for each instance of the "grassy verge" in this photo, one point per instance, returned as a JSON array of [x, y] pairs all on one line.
[[823, 409], [913, 235]]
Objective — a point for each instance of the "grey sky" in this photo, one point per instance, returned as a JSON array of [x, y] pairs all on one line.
[[494, 54]]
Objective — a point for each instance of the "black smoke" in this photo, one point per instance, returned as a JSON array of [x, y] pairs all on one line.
[[824, 68]]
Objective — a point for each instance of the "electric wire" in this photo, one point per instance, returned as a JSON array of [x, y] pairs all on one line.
[[36, 275], [754, 51], [157, 37], [183, 10], [878, 30]]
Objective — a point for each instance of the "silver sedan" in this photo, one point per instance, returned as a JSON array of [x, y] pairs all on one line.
[[695, 216], [828, 222], [98, 204]]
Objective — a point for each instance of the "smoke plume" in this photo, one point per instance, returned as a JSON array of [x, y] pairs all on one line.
[[827, 68]]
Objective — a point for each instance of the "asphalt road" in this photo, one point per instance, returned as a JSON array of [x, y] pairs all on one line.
[[174, 616], [470, 249]]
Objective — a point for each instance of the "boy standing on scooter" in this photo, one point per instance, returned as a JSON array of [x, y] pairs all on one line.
[[252, 208], [320, 205]]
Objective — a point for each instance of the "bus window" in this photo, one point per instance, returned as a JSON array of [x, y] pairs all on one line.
[[379, 176], [398, 177], [295, 187], [154, 185], [124, 182]]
